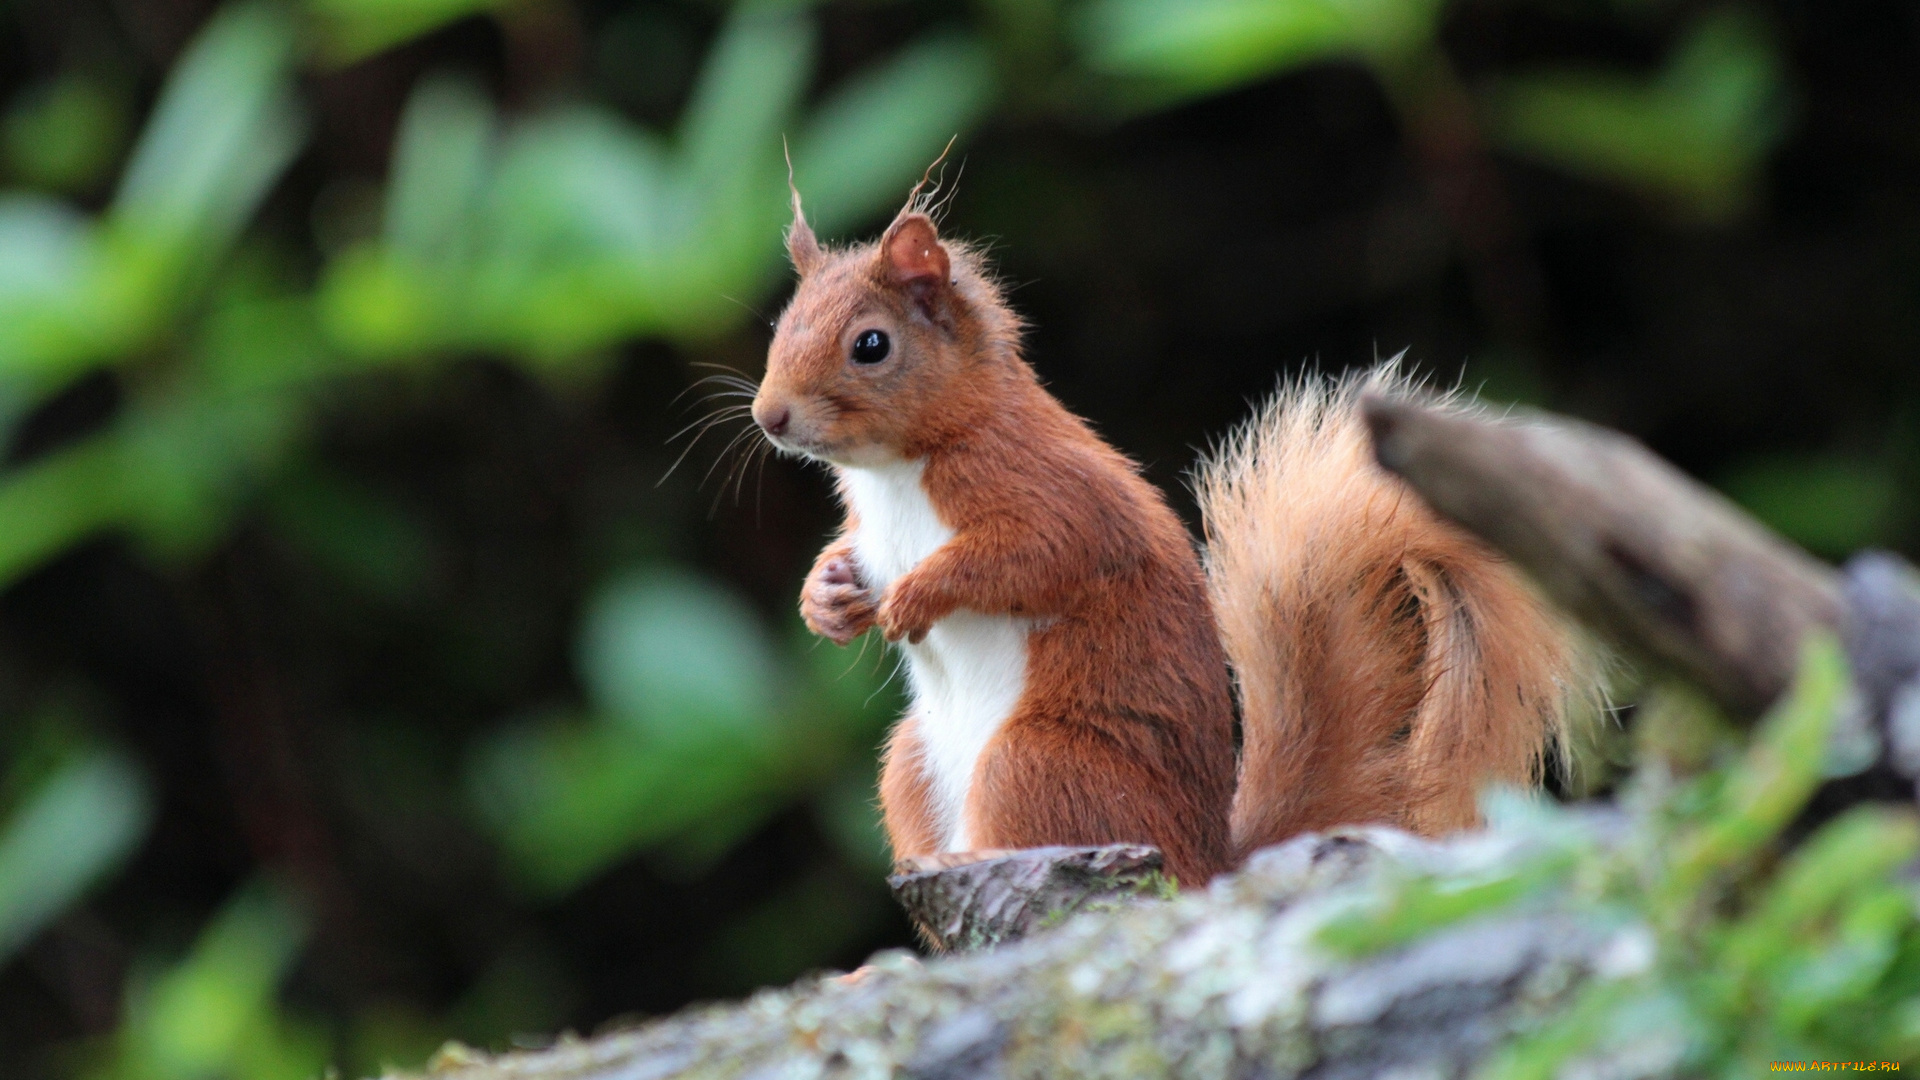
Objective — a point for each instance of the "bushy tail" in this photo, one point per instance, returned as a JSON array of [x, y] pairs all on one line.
[[1389, 664]]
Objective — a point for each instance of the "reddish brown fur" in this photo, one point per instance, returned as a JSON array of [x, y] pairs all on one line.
[[1124, 729], [1389, 663], [906, 804]]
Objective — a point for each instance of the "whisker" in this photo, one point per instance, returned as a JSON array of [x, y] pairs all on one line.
[[731, 443], [730, 382], [900, 659], [722, 395], [866, 639], [755, 454], [733, 381], [711, 366], [730, 412], [760, 481], [737, 474], [709, 423], [750, 309]]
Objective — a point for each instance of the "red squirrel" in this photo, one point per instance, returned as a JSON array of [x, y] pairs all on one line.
[[1072, 667]]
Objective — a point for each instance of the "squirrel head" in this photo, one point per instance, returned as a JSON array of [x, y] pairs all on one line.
[[888, 348]]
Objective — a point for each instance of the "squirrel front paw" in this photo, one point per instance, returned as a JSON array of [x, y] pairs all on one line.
[[834, 603], [909, 610]]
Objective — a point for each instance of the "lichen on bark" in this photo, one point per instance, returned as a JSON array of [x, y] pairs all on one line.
[[1231, 981]]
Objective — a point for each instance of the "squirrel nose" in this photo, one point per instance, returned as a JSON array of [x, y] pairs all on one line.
[[774, 419]]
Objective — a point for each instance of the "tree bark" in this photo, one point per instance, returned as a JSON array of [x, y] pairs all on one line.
[[1229, 982], [1658, 562], [970, 900]]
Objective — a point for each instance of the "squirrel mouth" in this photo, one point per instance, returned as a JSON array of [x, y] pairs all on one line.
[[806, 448]]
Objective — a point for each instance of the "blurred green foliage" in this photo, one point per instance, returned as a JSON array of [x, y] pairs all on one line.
[[70, 827], [1730, 951], [214, 1012], [549, 231], [1830, 504], [1695, 134], [700, 730], [1177, 50]]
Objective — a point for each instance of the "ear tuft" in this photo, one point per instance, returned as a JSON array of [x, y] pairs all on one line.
[[802, 247], [916, 260]]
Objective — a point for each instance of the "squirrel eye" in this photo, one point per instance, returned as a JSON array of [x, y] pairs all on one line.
[[871, 347]]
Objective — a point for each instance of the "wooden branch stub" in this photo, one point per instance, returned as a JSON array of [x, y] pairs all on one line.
[[969, 900], [1660, 563]]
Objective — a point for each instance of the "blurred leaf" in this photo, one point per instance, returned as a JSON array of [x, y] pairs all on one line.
[[223, 130], [186, 466], [1830, 505], [1189, 47], [1696, 135], [64, 135], [661, 649], [358, 28], [567, 799], [376, 306], [440, 167], [52, 311], [683, 674], [1778, 774], [73, 829], [746, 90], [584, 229], [581, 184], [1423, 905], [172, 471], [887, 123], [57, 501], [215, 1012], [690, 751]]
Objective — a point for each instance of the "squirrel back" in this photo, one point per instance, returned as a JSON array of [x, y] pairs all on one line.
[[1389, 664]]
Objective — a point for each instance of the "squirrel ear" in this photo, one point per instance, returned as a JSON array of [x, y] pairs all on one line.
[[915, 259], [802, 248]]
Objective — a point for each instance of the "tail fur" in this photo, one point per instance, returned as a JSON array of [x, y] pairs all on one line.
[[1389, 664]]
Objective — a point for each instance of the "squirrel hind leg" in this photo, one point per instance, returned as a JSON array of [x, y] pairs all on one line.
[[1044, 781], [907, 806]]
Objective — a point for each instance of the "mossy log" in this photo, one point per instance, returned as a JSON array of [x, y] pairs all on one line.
[[1226, 982]]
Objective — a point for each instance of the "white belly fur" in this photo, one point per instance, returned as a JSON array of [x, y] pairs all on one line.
[[968, 674]]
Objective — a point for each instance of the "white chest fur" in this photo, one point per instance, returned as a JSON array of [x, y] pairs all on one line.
[[968, 674]]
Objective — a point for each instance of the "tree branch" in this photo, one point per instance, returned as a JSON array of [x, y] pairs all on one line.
[[1226, 982], [1657, 561]]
